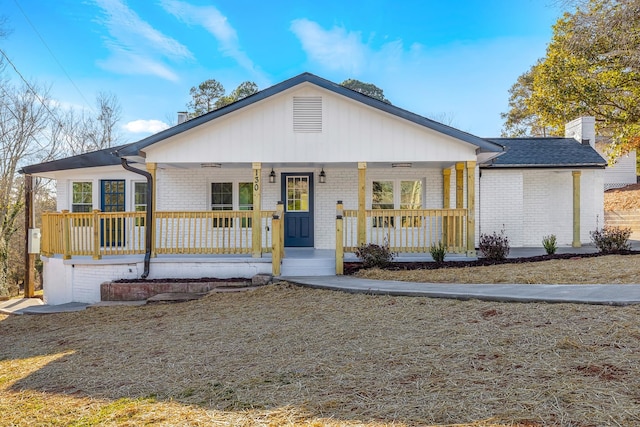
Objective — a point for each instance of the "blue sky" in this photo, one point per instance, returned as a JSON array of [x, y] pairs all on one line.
[[453, 60]]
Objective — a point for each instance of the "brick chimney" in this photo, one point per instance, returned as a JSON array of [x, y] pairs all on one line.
[[582, 129]]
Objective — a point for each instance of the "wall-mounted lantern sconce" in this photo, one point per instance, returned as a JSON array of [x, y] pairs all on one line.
[[323, 177], [272, 176]]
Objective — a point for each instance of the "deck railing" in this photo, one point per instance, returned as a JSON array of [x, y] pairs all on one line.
[[210, 232], [408, 230], [123, 233]]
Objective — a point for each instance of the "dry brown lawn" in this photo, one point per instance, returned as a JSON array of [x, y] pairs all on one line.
[[287, 355], [607, 269]]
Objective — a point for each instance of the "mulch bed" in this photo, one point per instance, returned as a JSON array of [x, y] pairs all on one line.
[[351, 268]]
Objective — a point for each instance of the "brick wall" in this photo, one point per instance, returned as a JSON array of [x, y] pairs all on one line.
[[531, 204]]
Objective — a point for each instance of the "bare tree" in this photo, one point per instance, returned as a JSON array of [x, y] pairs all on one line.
[[24, 136], [85, 132]]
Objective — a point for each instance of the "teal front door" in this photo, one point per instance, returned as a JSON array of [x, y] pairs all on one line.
[[297, 193]]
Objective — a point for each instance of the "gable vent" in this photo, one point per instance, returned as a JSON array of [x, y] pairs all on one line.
[[307, 114]]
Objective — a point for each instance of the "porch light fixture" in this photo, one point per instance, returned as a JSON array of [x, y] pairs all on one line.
[[210, 165], [400, 165], [323, 177], [272, 176]]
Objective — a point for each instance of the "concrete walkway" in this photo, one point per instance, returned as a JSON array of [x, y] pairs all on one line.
[[36, 306], [582, 294]]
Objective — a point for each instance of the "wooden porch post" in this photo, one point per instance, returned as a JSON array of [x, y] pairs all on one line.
[[446, 203], [152, 168], [471, 209], [29, 258], [362, 218], [576, 209], [280, 236], [96, 234], [459, 185], [276, 245], [66, 235], [339, 239], [256, 222], [457, 228]]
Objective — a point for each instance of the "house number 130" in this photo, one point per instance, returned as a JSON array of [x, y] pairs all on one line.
[[256, 185]]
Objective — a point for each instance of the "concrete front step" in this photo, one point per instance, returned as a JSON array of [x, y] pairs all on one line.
[[308, 267]]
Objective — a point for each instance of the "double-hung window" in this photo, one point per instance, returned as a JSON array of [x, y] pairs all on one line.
[[245, 200], [397, 194], [225, 196], [140, 200], [81, 197]]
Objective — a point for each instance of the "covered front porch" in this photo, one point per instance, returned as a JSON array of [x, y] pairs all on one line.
[[255, 232]]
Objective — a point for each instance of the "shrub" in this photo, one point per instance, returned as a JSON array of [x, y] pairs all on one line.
[[373, 255], [611, 239], [494, 246], [438, 252], [550, 244]]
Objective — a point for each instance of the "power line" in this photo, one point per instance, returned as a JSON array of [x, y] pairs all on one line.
[[44, 104], [53, 56]]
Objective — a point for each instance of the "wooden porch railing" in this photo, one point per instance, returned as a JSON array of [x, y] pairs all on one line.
[[123, 233], [210, 232], [408, 230]]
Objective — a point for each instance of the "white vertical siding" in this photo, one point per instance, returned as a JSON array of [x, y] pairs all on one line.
[[351, 132]]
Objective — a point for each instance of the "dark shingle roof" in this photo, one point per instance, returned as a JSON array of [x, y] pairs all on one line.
[[545, 153], [102, 157]]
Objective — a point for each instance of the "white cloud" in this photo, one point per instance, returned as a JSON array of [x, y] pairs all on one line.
[[136, 47], [212, 20], [336, 49], [146, 126]]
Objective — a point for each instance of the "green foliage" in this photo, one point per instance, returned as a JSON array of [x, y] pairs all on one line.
[[438, 252], [494, 246], [372, 255], [611, 239], [204, 97], [592, 68], [368, 89], [210, 95], [550, 244]]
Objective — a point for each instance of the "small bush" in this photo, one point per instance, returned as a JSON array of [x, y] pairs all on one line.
[[438, 252], [550, 244], [611, 239], [373, 255], [494, 246]]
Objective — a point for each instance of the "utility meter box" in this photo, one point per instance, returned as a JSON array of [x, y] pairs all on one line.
[[34, 240]]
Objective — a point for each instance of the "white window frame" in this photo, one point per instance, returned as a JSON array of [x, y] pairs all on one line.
[[71, 194], [235, 192], [235, 196], [397, 195], [134, 204]]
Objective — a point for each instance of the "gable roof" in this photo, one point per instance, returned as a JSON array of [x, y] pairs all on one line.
[[483, 145], [545, 153], [134, 151]]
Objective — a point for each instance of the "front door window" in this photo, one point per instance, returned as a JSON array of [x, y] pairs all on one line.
[[297, 194]]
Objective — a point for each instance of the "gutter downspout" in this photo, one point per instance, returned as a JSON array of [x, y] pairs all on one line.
[[149, 215]]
